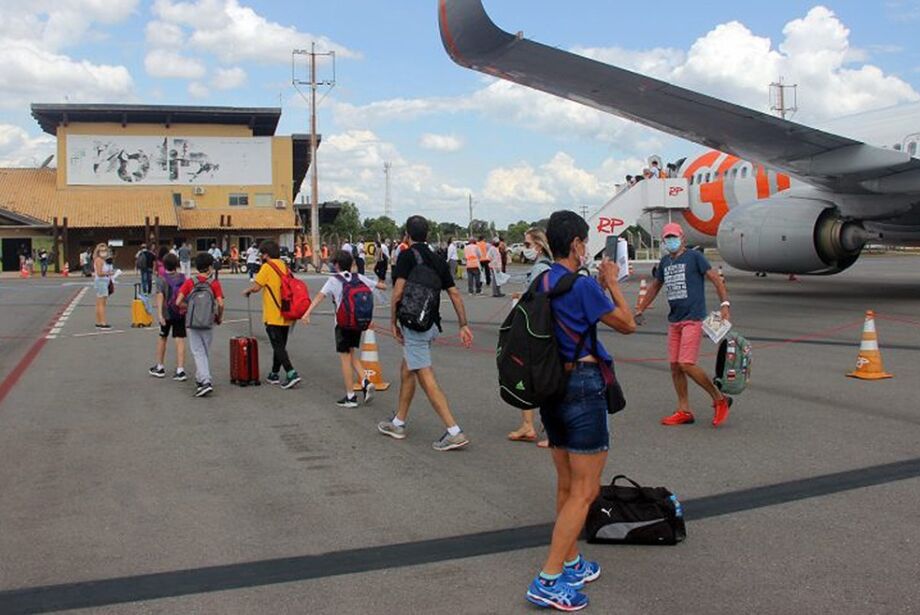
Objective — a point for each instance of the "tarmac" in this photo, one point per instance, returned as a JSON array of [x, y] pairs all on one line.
[[120, 493]]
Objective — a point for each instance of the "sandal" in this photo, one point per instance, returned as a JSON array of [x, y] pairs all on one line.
[[522, 437]]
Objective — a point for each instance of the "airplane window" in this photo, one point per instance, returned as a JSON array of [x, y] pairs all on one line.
[[912, 148], [707, 178], [691, 180], [734, 173], [744, 171], [897, 146]]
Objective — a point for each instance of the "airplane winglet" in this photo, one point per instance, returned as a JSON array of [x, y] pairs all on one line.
[[468, 33]]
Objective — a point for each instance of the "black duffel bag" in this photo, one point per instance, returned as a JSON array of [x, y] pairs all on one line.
[[635, 515]]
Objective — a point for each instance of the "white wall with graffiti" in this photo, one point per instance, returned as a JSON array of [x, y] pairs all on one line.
[[111, 160]]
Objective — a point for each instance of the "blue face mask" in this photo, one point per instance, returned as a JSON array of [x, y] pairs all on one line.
[[672, 244]]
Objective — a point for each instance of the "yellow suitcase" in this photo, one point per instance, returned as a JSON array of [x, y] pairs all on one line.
[[140, 316]]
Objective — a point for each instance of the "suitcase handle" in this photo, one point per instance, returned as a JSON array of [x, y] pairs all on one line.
[[136, 290], [249, 313]]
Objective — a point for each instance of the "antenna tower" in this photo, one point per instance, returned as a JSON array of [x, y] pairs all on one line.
[[387, 202], [779, 99]]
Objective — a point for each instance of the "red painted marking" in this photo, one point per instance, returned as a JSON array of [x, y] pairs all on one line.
[[447, 36], [13, 377], [783, 182], [609, 225], [675, 190], [763, 183]]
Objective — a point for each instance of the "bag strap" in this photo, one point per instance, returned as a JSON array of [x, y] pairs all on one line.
[[278, 271], [418, 256], [269, 288]]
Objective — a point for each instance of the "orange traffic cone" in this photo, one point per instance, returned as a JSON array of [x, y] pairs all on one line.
[[370, 359], [643, 292], [24, 272], [869, 362], [65, 273]]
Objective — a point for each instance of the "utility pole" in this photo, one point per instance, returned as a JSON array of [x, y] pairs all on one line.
[[584, 211], [471, 216], [314, 179], [387, 204], [778, 98]]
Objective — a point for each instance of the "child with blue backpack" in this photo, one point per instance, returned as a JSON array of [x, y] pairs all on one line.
[[353, 296]]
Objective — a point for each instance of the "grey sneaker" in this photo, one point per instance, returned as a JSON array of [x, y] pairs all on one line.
[[449, 442], [387, 428]]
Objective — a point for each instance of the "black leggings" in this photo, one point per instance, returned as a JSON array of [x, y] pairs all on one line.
[[278, 336]]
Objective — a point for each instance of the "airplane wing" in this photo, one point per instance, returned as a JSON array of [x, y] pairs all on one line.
[[814, 156]]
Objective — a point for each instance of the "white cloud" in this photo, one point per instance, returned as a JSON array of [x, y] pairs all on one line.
[[30, 74], [164, 35], [440, 143], [236, 33], [164, 63], [55, 24], [32, 66], [351, 168], [198, 90], [19, 149], [228, 78]]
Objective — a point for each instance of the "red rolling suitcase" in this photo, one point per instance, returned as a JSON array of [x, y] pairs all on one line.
[[244, 357]]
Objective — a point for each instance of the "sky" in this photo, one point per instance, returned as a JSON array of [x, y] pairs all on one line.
[[449, 132]]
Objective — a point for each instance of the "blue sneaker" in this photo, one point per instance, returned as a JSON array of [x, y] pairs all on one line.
[[556, 594], [581, 573]]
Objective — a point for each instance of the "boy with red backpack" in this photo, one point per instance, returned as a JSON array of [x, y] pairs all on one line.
[[170, 318], [353, 297], [284, 301]]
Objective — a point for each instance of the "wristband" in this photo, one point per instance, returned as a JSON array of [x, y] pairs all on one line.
[[463, 324], [726, 304]]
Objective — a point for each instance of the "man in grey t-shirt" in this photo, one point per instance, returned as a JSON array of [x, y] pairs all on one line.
[[185, 259]]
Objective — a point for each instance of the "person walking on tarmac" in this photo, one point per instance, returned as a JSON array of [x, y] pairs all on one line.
[[420, 278], [682, 273]]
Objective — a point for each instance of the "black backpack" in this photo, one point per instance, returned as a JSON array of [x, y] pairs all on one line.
[[531, 372], [421, 297]]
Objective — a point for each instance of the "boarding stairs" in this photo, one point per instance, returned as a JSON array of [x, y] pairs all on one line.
[[648, 204]]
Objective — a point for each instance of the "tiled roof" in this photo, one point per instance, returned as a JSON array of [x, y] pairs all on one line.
[[240, 218], [34, 193]]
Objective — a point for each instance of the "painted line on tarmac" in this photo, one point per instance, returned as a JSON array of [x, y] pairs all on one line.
[[7, 384], [65, 315], [120, 590]]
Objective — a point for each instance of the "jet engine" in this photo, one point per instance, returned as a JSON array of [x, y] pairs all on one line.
[[790, 235]]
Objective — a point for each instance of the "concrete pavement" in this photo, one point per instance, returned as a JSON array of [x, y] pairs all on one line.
[[109, 476]]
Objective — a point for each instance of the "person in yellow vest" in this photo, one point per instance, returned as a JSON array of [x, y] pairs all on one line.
[[276, 326]]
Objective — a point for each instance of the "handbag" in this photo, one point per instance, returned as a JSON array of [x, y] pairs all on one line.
[[111, 287], [636, 515]]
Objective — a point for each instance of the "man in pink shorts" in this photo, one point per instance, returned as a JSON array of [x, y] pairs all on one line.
[[682, 273]]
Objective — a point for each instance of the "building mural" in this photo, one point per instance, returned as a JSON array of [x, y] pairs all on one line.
[[115, 160]]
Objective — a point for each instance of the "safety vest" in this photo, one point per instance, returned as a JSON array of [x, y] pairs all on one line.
[[483, 251], [471, 251]]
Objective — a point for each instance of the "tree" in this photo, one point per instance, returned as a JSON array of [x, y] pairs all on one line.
[[382, 228], [480, 227], [347, 223], [515, 232]]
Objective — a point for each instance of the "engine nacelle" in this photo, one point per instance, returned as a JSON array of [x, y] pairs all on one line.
[[790, 235]]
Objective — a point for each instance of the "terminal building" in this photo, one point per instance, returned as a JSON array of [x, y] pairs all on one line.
[[127, 174]]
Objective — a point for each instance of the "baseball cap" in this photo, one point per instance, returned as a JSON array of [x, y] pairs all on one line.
[[672, 228]]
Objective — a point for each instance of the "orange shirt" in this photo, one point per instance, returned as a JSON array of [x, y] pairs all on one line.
[[297, 252], [325, 253], [307, 250]]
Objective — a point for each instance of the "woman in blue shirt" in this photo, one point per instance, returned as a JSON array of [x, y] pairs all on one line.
[[577, 427]]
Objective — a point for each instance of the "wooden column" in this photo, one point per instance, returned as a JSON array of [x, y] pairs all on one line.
[[147, 233], [64, 250], [55, 239], [156, 231]]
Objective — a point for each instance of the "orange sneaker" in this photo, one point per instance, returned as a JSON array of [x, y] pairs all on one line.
[[681, 417], [721, 409]]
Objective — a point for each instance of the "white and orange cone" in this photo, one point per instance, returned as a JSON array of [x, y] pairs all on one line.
[[24, 272], [370, 359], [869, 362], [643, 293]]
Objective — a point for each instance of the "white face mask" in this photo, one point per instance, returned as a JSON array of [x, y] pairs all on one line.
[[530, 254]]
